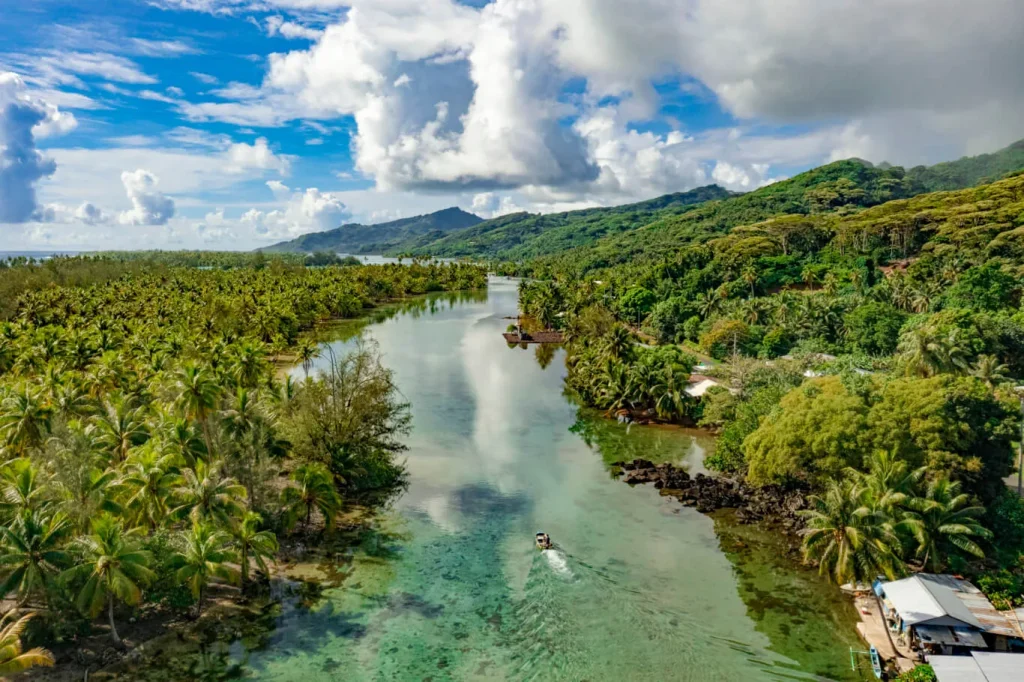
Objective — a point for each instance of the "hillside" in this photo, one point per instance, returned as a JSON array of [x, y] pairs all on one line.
[[969, 171], [358, 238], [523, 235]]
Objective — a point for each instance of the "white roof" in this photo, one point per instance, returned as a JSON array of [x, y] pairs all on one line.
[[925, 601], [701, 387], [980, 666]]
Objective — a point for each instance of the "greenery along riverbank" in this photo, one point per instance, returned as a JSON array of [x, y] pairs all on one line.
[[867, 348], [144, 437]]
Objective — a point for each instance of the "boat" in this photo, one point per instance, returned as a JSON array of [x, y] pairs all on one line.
[[543, 540]]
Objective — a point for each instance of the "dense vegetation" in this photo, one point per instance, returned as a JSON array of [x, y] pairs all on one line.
[[379, 238], [867, 336], [148, 448], [524, 235]]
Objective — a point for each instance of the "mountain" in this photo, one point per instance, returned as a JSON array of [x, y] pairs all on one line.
[[525, 235], [970, 170], [358, 238]]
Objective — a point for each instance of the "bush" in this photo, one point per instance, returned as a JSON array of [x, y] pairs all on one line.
[[922, 673]]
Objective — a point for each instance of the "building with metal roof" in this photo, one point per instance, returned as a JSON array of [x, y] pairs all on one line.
[[980, 666], [943, 614]]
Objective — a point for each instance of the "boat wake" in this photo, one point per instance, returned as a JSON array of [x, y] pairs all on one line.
[[556, 560]]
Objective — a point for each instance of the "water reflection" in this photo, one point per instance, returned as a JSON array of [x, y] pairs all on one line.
[[448, 585]]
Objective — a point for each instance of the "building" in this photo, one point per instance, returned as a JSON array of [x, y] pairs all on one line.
[[980, 666], [943, 615]]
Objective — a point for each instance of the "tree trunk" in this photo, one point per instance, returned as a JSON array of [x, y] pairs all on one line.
[[245, 566], [110, 617]]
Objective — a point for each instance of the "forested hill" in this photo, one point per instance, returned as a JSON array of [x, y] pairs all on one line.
[[524, 235], [357, 238], [600, 237], [970, 170]]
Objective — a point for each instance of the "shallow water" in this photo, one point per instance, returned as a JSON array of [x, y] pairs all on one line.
[[449, 586]]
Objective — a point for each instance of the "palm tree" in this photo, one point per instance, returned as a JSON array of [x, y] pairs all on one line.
[[203, 556], [889, 482], [253, 544], [315, 490], [149, 480], [942, 522], [198, 396], [307, 351], [119, 427], [13, 658], [750, 277], [22, 488], [990, 370], [850, 541], [31, 553], [179, 435], [24, 420], [619, 343], [113, 567], [206, 494]]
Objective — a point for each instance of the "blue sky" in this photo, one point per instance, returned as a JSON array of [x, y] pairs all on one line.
[[236, 123]]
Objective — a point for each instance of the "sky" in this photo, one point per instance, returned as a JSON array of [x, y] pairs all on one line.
[[232, 124]]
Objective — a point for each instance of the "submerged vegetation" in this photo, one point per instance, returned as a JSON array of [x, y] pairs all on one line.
[[150, 451]]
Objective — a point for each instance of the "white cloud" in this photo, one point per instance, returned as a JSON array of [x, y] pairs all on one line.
[[204, 78], [309, 211], [242, 157], [175, 91], [277, 25], [149, 205], [23, 117], [87, 214]]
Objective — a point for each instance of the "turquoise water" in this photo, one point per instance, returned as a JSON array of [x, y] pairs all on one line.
[[447, 584]]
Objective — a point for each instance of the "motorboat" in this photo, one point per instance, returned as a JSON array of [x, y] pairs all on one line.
[[543, 540]]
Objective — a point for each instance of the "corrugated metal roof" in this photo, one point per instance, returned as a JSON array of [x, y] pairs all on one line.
[[980, 666], [933, 599], [925, 602], [956, 669]]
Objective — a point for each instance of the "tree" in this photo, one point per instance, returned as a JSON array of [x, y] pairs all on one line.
[[13, 658], [851, 542], [120, 426], [254, 545], [874, 328], [113, 567], [354, 413], [943, 521], [314, 490], [32, 553], [206, 494], [24, 420], [23, 488], [985, 287], [149, 481], [990, 370], [306, 353], [817, 429], [204, 554], [199, 395]]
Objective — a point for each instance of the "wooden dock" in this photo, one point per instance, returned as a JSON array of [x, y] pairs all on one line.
[[534, 337], [874, 631]]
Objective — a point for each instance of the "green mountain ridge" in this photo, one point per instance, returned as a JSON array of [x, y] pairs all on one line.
[[359, 238]]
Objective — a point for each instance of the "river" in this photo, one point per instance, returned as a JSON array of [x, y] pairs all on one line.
[[447, 584]]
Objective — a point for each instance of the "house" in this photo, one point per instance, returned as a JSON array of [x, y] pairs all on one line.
[[943, 614], [699, 385], [980, 666]]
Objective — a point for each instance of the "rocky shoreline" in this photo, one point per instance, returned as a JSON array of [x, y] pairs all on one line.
[[772, 505]]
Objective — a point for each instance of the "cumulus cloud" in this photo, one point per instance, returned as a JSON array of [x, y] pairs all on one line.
[[149, 205], [23, 117], [277, 25], [305, 211], [86, 213], [242, 157]]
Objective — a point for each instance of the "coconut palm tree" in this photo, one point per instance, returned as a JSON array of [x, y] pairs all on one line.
[[149, 480], [204, 493], [119, 427], [990, 370], [198, 396], [32, 553], [943, 521], [889, 482], [24, 420], [850, 541], [254, 545], [314, 489], [307, 351], [23, 488], [113, 567], [619, 343], [13, 658], [204, 554]]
